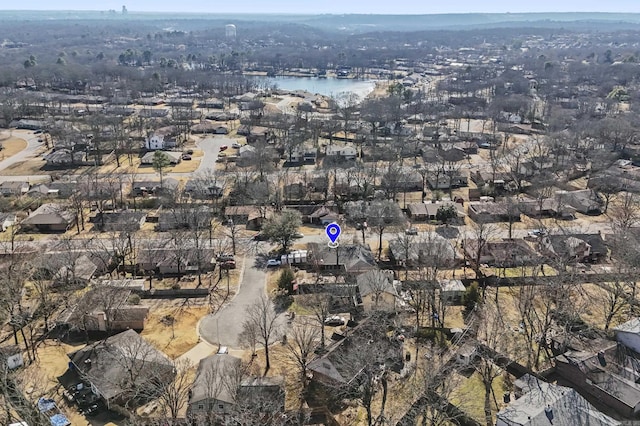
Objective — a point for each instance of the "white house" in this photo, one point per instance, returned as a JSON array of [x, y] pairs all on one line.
[[629, 334], [159, 140], [347, 152]]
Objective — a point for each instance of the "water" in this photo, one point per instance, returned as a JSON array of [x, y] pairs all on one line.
[[322, 86]]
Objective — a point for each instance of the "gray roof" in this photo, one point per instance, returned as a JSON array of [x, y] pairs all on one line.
[[49, 214], [376, 281], [107, 364], [631, 326], [547, 404], [213, 378]]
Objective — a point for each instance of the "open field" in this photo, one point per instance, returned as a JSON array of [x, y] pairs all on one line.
[[11, 147]]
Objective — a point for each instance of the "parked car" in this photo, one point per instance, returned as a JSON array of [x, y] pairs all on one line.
[[411, 231], [186, 157], [537, 233], [223, 147], [229, 264], [298, 235], [260, 237], [334, 321], [189, 151], [37, 132], [221, 155], [235, 145], [225, 257], [273, 262]]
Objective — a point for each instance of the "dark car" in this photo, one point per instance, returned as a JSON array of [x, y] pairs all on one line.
[[260, 237], [186, 157], [223, 147]]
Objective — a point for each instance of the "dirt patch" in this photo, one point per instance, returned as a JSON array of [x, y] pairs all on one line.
[[11, 147], [173, 330]]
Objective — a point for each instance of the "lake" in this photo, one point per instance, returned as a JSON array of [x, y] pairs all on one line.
[[323, 86]]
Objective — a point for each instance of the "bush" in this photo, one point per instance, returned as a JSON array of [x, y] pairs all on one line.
[[285, 282], [471, 297], [134, 299], [175, 286]]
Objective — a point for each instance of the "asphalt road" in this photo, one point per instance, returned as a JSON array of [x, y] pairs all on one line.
[[224, 327]]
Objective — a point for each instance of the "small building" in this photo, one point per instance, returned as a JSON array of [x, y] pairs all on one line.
[[451, 291], [49, 218], [428, 211], [11, 356], [489, 212]]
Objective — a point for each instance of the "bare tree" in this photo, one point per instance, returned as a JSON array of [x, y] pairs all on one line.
[[319, 304], [262, 318], [302, 341]]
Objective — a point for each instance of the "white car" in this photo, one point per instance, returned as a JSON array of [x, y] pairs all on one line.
[[273, 262], [235, 145]]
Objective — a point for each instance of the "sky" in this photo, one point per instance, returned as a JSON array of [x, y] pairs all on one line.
[[336, 6]]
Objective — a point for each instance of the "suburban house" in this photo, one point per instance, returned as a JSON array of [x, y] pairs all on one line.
[[573, 248], [60, 189], [352, 259], [377, 290], [541, 403], [65, 157], [609, 375], [79, 267], [218, 389], [120, 365], [160, 139], [142, 188], [546, 207], [448, 179], [429, 249], [104, 308], [420, 212], [125, 221], [184, 218], [49, 218], [504, 254], [174, 157], [345, 152], [341, 365], [15, 188], [210, 398], [303, 155], [201, 189], [489, 211], [585, 201], [172, 261], [252, 216]]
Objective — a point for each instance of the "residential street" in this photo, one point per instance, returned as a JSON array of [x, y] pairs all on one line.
[[224, 327]]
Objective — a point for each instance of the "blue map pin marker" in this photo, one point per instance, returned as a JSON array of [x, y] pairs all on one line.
[[333, 232]]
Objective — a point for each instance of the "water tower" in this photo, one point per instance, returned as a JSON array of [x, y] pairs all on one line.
[[230, 31]]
